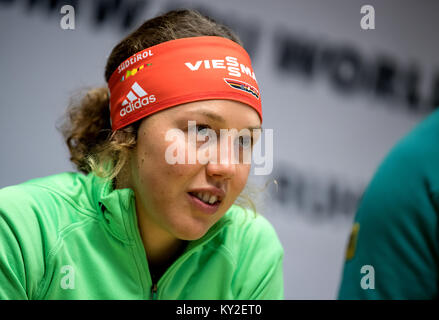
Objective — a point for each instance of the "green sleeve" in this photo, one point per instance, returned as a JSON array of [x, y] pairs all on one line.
[[260, 266], [12, 271], [397, 223], [21, 263], [271, 286]]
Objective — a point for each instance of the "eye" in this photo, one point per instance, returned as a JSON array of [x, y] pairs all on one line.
[[204, 133], [245, 141], [202, 129]]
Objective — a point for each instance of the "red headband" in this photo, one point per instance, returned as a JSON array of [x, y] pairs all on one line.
[[181, 71]]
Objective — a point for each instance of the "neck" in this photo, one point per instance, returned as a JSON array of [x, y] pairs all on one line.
[[161, 248]]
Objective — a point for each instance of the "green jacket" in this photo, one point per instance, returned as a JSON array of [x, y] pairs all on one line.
[[394, 248], [70, 236]]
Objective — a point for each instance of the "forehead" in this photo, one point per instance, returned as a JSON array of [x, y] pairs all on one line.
[[223, 112]]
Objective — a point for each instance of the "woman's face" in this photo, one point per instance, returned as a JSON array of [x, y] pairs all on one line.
[[168, 194]]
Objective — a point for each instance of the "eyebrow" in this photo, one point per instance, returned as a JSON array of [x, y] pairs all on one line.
[[213, 116], [218, 118]]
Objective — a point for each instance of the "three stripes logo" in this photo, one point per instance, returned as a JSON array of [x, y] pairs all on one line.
[[244, 86], [136, 99]]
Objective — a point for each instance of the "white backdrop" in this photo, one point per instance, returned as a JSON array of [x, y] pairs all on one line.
[[327, 142]]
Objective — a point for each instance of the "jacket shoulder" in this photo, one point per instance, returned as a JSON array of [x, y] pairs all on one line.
[[417, 150], [45, 205], [63, 189], [250, 231], [258, 254], [398, 210]]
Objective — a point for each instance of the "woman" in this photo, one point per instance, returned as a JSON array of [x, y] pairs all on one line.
[[136, 224]]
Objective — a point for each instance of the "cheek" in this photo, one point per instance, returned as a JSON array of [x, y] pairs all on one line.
[[168, 159], [240, 179], [151, 153], [155, 174]]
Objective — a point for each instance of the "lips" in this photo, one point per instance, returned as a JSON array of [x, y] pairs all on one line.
[[208, 195], [202, 206], [207, 199]]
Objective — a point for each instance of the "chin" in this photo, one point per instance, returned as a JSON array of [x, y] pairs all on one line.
[[192, 235], [192, 231]]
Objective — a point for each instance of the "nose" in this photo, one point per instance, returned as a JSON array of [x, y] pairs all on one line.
[[224, 166]]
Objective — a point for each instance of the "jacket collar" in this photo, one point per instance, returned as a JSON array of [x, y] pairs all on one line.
[[118, 206]]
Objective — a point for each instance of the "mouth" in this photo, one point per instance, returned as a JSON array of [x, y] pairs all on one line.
[[202, 202], [206, 198]]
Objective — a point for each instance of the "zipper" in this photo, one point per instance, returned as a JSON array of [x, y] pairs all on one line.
[[138, 240], [154, 291], [174, 265]]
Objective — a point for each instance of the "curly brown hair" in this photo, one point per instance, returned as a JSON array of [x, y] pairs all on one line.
[[93, 146]]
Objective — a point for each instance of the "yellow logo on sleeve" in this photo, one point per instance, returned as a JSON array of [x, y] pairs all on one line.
[[350, 252]]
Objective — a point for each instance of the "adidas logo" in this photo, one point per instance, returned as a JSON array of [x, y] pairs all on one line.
[[135, 99]]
